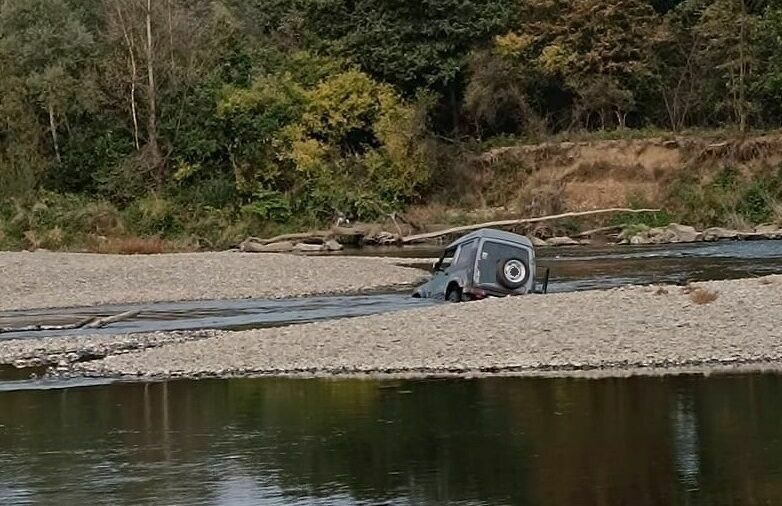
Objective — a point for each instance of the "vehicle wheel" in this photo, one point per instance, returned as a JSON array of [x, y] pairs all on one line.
[[512, 273], [454, 295]]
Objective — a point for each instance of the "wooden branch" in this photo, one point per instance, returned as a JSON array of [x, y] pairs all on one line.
[[319, 234], [87, 323], [103, 322], [506, 223], [588, 233]]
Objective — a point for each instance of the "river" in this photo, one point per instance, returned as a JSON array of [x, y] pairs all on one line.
[[642, 441]]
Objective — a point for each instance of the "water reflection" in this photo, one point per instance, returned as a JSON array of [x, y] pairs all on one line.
[[640, 441]]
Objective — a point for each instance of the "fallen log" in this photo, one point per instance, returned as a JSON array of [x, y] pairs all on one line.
[[92, 322], [301, 236], [507, 223], [103, 322]]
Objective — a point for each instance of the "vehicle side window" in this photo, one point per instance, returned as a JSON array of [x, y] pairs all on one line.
[[465, 257], [446, 260]]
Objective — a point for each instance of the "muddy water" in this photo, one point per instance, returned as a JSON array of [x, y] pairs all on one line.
[[639, 441]]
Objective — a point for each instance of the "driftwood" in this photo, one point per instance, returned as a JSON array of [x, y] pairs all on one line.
[[507, 223], [302, 236], [600, 230], [87, 323], [99, 323]]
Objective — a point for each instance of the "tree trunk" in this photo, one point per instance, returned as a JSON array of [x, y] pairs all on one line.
[[53, 129], [154, 148], [454, 105], [742, 108], [133, 77]]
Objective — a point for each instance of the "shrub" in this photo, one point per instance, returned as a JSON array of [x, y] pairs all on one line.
[[153, 215]]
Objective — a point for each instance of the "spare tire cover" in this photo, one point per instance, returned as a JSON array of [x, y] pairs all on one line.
[[512, 273]]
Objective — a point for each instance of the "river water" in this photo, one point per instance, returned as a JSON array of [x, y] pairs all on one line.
[[637, 441]]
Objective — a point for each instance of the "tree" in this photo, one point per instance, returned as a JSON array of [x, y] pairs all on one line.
[[51, 50], [411, 44], [588, 44], [728, 27]]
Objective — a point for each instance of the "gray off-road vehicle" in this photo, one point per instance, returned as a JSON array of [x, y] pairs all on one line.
[[485, 263]]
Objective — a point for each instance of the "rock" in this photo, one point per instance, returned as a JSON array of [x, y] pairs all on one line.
[[537, 242], [642, 238], [675, 233], [720, 234], [276, 247], [333, 245], [769, 231], [562, 241], [304, 247]]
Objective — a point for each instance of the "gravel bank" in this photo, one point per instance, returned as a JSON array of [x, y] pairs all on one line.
[[63, 351], [40, 280], [619, 329]]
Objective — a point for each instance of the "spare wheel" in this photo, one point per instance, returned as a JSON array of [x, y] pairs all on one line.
[[512, 273]]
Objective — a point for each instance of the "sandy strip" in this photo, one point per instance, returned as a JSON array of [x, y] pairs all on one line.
[[619, 329], [42, 280]]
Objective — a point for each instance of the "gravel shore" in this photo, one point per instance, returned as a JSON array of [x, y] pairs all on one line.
[[41, 280], [620, 330]]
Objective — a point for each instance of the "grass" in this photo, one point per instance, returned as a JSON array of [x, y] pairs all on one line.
[[129, 246]]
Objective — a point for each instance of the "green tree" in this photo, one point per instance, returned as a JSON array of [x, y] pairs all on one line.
[[591, 46], [51, 51], [411, 44]]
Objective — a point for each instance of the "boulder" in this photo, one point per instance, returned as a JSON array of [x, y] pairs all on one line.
[[332, 245], [537, 241], [639, 239], [562, 241], [769, 231], [675, 233], [720, 234]]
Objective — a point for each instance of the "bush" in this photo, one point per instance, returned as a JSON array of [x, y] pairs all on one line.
[[53, 221], [728, 199], [153, 215]]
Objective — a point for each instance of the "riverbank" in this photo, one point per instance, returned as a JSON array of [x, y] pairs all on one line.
[[616, 330], [41, 280]]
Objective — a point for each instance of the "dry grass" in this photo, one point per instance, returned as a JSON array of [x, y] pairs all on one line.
[[776, 213], [129, 246], [661, 291], [702, 296]]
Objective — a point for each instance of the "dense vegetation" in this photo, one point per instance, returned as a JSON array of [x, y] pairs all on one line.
[[209, 119]]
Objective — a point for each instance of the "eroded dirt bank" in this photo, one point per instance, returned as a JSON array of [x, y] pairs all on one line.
[[39, 280], [615, 330]]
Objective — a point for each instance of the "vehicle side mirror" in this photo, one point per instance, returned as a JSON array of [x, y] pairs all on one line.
[[434, 266]]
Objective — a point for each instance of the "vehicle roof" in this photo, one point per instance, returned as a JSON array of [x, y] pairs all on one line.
[[491, 233]]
